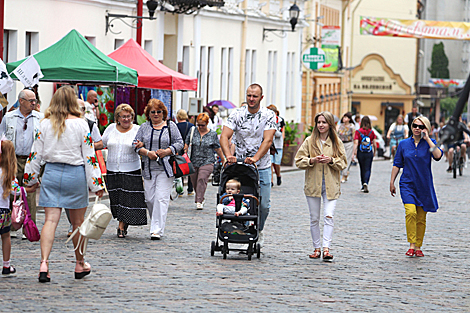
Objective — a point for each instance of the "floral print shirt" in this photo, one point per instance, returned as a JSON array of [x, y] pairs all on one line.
[[202, 149], [74, 147], [248, 130]]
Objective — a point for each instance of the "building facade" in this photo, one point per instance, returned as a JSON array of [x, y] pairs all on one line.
[[225, 48]]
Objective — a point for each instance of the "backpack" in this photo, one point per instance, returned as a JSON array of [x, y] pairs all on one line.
[[93, 226], [366, 144]]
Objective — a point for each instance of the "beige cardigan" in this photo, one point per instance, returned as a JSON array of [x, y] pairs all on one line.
[[314, 172]]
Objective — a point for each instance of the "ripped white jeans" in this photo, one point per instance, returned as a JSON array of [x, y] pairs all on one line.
[[314, 206]]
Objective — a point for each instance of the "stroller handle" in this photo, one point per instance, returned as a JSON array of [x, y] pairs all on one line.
[[239, 161], [245, 196]]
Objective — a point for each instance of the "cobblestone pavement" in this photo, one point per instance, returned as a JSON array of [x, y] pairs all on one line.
[[370, 271]]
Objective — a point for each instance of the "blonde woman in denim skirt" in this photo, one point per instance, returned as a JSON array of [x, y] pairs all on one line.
[[64, 143]]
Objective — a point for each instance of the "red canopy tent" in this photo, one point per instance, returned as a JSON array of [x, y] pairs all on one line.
[[152, 74]]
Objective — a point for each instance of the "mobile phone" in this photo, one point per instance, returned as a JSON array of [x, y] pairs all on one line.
[[422, 135]]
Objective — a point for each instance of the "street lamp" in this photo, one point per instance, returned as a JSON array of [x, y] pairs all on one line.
[[294, 12], [110, 17]]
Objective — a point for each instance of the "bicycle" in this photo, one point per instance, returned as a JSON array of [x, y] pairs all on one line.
[[457, 162]]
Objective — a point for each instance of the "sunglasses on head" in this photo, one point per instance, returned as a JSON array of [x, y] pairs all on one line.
[[158, 111], [418, 126]]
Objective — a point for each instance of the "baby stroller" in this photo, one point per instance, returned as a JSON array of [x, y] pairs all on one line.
[[241, 229]]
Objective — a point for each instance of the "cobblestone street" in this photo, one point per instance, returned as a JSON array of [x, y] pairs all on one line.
[[370, 271]]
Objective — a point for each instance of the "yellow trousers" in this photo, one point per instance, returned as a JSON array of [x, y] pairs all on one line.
[[415, 224]]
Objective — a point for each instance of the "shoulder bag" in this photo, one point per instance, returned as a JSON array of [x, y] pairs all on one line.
[[181, 164], [18, 212], [30, 229], [190, 142]]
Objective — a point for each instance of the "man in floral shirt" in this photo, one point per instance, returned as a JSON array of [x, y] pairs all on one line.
[[252, 128]]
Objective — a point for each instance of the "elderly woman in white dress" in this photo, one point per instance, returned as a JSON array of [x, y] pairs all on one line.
[[125, 186]]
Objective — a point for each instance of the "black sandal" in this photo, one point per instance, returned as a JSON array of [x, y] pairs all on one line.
[[126, 226], [120, 233]]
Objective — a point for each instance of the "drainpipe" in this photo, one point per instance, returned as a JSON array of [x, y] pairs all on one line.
[[140, 12], [351, 52], [243, 55]]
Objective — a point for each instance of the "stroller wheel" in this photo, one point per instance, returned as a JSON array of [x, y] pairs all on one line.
[[225, 250], [258, 250], [212, 248]]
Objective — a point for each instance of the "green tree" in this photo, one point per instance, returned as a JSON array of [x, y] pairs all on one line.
[[439, 62]]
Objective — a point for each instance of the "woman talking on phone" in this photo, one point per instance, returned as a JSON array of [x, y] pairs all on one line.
[[416, 183]]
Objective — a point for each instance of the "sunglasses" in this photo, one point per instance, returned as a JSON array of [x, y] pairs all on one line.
[[157, 112], [25, 127], [201, 125], [418, 126]]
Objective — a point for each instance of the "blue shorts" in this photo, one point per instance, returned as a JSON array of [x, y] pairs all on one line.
[[458, 143], [276, 159], [64, 186]]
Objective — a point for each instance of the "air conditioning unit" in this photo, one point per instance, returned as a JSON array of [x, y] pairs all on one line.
[[195, 106]]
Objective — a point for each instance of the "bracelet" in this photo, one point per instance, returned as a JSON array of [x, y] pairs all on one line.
[[148, 152]]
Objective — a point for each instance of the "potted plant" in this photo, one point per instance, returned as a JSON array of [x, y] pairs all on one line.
[[291, 135]]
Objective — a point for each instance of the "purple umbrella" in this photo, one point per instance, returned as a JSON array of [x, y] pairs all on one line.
[[222, 104]]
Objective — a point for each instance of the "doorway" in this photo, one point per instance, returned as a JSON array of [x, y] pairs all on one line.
[[391, 114]]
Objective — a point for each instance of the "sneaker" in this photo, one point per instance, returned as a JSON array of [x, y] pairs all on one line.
[[365, 188], [261, 239], [155, 236], [279, 181], [449, 169], [272, 184], [199, 206], [23, 237], [14, 234], [8, 271], [190, 193]]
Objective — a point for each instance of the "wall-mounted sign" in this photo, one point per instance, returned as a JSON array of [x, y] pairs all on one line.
[[331, 59], [330, 36], [315, 59]]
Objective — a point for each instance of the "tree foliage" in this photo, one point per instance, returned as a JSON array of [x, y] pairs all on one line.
[[439, 62]]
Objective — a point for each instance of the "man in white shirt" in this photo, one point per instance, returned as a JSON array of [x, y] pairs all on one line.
[[252, 128], [91, 106], [20, 126], [94, 131]]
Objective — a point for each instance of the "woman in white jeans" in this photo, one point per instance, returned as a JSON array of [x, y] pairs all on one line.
[[322, 156]]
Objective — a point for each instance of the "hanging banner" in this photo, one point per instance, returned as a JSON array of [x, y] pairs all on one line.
[[377, 26], [29, 72], [445, 82], [6, 83]]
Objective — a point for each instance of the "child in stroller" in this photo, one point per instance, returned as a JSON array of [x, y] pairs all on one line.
[[227, 206], [241, 228]]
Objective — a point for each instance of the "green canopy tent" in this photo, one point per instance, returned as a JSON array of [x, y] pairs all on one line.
[[74, 59]]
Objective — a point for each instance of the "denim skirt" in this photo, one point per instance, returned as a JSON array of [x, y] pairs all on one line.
[[64, 186]]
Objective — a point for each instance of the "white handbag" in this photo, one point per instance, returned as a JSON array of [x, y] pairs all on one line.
[[93, 226]]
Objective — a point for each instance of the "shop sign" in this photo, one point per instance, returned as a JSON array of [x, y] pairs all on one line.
[[315, 59]]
